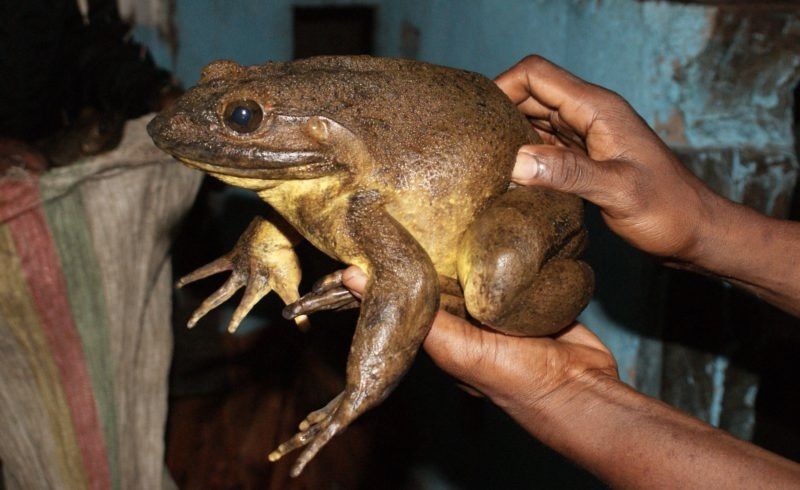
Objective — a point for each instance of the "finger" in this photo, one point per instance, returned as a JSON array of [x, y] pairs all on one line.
[[578, 333], [470, 390], [252, 295], [533, 108], [566, 170], [220, 265], [545, 131], [456, 346], [557, 136], [220, 296], [566, 133], [577, 101], [354, 280], [549, 138]]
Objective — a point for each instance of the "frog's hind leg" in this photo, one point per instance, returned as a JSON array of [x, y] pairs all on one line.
[[518, 263], [397, 310]]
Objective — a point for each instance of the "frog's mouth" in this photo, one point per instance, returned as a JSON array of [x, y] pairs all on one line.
[[271, 165]]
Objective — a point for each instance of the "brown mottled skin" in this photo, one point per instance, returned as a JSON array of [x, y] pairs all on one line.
[[401, 168]]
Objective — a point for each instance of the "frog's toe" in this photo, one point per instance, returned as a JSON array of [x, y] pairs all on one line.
[[312, 425], [256, 288], [328, 293], [299, 440], [332, 428], [219, 296], [222, 264], [318, 416], [317, 429], [333, 299], [327, 282]]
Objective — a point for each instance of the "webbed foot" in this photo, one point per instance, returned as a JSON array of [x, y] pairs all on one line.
[[318, 428], [261, 261]]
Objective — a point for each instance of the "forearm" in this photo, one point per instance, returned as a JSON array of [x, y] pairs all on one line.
[[630, 440], [753, 251]]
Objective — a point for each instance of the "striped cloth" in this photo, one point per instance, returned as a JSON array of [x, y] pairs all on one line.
[[85, 304]]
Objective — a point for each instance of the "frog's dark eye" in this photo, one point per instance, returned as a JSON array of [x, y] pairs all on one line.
[[243, 116]]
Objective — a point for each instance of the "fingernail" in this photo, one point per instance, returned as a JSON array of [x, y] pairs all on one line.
[[351, 273], [353, 277], [526, 168], [354, 280]]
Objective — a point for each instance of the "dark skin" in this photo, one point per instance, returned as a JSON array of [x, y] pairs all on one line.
[[600, 149]]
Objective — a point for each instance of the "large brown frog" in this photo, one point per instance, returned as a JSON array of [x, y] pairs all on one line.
[[401, 168]]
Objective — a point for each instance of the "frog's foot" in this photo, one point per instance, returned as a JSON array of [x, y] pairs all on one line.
[[319, 427], [328, 293], [261, 261], [518, 263], [557, 294]]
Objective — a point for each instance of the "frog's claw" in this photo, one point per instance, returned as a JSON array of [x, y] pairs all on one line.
[[261, 261], [328, 293]]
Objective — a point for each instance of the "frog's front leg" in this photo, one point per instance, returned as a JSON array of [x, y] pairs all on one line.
[[397, 310], [328, 293], [262, 260]]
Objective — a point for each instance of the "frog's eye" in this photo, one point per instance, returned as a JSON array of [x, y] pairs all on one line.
[[243, 116]]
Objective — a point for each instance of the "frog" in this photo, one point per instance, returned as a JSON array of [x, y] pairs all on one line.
[[401, 168]]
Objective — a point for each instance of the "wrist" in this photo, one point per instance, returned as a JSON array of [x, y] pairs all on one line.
[[536, 410], [750, 250], [715, 231]]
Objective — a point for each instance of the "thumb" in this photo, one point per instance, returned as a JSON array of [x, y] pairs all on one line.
[[460, 348], [355, 280], [562, 169]]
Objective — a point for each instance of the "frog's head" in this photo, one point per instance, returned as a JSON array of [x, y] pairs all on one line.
[[254, 127]]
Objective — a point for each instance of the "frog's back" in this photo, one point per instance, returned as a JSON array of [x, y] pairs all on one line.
[[429, 127], [443, 140]]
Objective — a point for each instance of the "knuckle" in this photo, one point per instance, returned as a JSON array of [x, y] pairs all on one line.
[[615, 99], [532, 60], [609, 99], [571, 174]]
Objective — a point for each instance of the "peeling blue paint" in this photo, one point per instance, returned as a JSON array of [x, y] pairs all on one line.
[[717, 369]]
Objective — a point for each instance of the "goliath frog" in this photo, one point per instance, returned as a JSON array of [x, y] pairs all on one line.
[[401, 168]]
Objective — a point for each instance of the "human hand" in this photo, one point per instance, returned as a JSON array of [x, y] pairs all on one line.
[[516, 373], [600, 149]]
